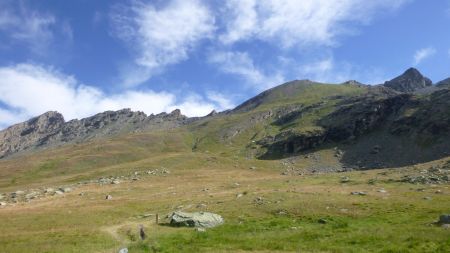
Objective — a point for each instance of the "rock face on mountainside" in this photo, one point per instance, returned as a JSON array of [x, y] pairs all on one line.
[[411, 80], [444, 83], [51, 129]]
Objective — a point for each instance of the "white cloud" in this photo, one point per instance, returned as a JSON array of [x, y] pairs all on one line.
[[423, 54], [240, 63], [221, 100], [32, 28], [293, 22], [29, 90], [161, 36]]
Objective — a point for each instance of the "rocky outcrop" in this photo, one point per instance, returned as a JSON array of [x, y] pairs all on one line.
[[51, 129], [34, 132], [411, 80], [196, 219]]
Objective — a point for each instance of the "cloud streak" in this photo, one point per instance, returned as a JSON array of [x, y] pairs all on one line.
[[34, 29], [240, 64], [161, 36], [422, 54], [289, 23]]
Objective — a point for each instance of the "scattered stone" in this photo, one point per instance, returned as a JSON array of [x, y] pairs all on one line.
[[115, 181], [31, 195], [108, 197], [434, 175], [2, 196], [253, 168], [123, 250], [359, 193], [196, 219], [322, 221], [427, 198], [49, 190], [201, 205], [2, 204], [382, 191], [444, 219], [438, 192], [259, 200], [200, 230], [58, 192], [445, 226], [65, 189], [345, 179], [239, 195]]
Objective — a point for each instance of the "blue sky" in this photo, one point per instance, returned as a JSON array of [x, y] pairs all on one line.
[[83, 57]]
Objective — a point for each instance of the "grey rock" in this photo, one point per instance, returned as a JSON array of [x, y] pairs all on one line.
[[345, 179], [108, 197], [49, 190], [444, 219], [65, 189], [359, 193], [322, 221], [123, 250], [410, 81], [200, 230], [2, 203], [196, 219]]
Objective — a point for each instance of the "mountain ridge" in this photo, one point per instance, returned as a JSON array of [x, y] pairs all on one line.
[[282, 108]]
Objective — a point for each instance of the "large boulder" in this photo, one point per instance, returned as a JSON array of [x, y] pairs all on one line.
[[196, 219]]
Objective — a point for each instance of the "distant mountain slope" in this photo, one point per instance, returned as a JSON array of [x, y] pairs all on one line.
[[398, 123], [50, 129]]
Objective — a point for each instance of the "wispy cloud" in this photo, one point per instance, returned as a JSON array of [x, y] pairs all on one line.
[[32, 28], [423, 54], [29, 90], [242, 65], [291, 22], [161, 36]]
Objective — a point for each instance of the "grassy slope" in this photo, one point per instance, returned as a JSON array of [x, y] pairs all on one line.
[[398, 221]]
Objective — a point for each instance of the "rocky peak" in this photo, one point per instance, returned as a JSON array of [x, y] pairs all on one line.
[[410, 81], [444, 83], [50, 129], [212, 113], [176, 113]]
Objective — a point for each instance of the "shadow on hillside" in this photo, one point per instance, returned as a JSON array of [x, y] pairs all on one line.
[[376, 150]]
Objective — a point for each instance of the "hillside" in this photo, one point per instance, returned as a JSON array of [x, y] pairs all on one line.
[[304, 166]]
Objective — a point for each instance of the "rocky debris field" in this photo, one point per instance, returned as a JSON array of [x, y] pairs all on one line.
[[28, 195], [433, 175]]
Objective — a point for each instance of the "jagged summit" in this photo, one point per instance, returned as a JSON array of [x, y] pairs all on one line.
[[50, 128], [444, 83], [410, 81]]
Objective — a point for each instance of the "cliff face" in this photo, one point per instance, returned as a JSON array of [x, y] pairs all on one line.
[[411, 80], [50, 128]]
